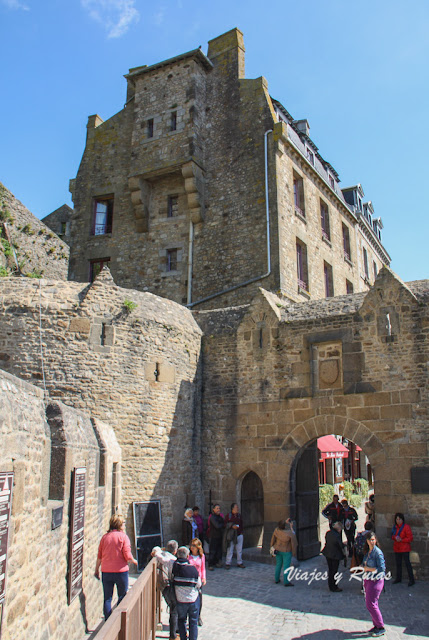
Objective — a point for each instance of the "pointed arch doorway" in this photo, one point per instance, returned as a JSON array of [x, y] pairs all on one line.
[[252, 509]]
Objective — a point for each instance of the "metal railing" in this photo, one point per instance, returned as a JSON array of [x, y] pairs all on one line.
[[137, 616]]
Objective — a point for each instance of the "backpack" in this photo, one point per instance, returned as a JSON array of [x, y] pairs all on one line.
[[359, 544], [162, 580]]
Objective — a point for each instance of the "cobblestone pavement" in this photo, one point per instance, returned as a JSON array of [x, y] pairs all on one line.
[[247, 604]]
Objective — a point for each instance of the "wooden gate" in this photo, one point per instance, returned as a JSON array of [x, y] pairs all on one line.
[[252, 509], [305, 499]]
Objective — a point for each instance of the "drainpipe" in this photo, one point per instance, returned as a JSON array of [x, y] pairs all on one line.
[[267, 207], [190, 261]]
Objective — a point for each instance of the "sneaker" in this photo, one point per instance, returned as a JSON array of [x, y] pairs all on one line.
[[227, 566], [219, 565], [336, 590], [276, 581], [378, 632], [372, 630], [411, 582], [289, 584], [200, 622], [241, 566]]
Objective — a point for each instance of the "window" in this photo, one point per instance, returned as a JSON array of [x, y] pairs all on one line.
[[349, 286], [298, 195], [302, 265], [324, 219], [172, 206], [331, 181], [95, 266], [346, 243], [103, 216], [310, 156], [365, 264], [149, 129], [329, 281], [171, 259], [374, 266], [173, 121], [63, 228]]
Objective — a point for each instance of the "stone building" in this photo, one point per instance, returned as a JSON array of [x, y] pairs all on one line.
[[59, 222], [204, 188], [27, 246], [41, 442]]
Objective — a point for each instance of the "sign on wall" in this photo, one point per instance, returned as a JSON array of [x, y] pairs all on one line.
[[77, 522], [147, 529], [6, 487]]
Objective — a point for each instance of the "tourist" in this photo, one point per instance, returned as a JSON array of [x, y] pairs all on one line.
[[402, 537], [359, 543], [186, 584], [375, 567], [284, 545], [370, 510], [334, 552], [198, 560], [215, 527], [114, 554], [166, 560], [189, 527], [334, 511], [199, 521], [233, 537], [350, 517]]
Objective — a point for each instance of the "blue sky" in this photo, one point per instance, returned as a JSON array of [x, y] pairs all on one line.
[[358, 71]]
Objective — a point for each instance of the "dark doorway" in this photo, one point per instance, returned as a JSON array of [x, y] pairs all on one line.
[[252, 509], [305, 501]]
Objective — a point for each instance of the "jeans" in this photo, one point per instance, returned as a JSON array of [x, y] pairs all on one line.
[[373, 588], [350, 535], [398, 559], [188, 610], [283, 559], [238, 548], [109, 580]]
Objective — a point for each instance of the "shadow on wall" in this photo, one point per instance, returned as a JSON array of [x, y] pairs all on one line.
[[179, 483]]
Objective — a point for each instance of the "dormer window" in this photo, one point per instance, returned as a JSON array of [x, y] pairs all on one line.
[[310, 156], [331, 182]]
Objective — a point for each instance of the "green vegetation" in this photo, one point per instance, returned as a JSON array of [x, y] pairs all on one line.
[[6, 216], [326, 492], [4, 272], [7, 249], [129, 305], [36, 273], [28, 229]]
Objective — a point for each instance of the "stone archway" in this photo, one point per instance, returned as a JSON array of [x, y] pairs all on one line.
[[303, 482]]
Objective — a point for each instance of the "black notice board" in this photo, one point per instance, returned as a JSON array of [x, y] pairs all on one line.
[[77, 523], [147, 529], [419, 479]]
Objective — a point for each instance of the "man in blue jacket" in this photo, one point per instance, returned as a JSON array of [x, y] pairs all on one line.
[[186, 584]]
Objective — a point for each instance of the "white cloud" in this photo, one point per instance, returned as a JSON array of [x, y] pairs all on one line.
[[159, 16], [16, 4], [116, 16]]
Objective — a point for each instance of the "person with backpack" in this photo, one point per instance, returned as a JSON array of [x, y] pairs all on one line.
[[187, 584], [375, 571], [402, 537], [233, 537], [166, 560], [350, 517], [215, 527]]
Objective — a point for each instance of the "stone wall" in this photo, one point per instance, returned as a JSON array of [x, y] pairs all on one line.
[[42, 446], [213, 161], [38, 250], [130, 359], [277, 376], [59, 222]]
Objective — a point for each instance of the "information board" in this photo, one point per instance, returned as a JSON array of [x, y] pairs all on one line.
[[6, 486], [77, 523], [147, 529]]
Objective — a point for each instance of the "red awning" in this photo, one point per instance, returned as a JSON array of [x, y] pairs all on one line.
[[330, 447]]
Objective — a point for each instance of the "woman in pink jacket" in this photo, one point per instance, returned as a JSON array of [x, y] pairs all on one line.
[[198, 560], [402, 537], [114, 554]]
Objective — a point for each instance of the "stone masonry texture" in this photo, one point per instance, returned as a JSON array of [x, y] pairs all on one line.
[[183, 166], [32, 434], [39, 251]]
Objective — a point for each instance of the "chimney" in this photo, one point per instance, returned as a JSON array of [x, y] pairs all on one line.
[[302, 126], [227, 53]]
